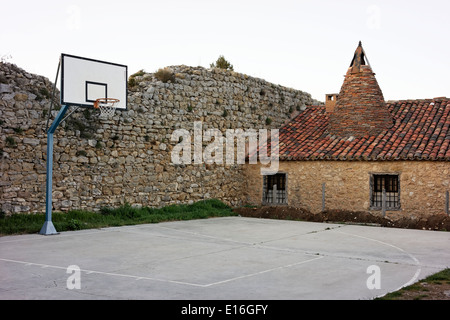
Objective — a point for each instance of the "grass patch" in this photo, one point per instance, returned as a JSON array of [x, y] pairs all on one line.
[[443, 276], [10, 141], [416, 291], [110, 217]]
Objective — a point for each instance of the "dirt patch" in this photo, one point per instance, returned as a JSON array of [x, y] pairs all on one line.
[[439, 222], [424, 291]]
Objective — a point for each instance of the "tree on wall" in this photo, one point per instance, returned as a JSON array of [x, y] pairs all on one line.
[[222, 63]]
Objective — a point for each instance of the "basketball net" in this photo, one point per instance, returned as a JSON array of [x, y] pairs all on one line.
[[107, 106]]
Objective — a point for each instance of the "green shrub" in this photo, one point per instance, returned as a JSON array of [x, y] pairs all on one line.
[[132, 81], [10, 141], [222, 63], [165, 75], [43, 91], [106, 217], [140, 73], [74, 224]]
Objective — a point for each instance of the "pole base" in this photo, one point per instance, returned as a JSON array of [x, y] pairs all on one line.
[[48, 229]]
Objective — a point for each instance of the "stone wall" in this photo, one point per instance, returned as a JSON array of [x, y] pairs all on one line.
[[423, 185], [127, 159]]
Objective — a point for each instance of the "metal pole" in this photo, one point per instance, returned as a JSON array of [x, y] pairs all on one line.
[[48, 228], [275, 194], [53, 95], [447, 200], [323, 197]]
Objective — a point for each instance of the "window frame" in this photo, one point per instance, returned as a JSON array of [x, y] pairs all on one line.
[[265, 190], [376, 204]]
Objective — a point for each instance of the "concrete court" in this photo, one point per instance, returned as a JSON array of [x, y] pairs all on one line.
[[220, 258]]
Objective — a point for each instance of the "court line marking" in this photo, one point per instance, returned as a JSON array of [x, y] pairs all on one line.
[[416, 261], [264, 271], [131, 228], [26, 263], [99, 272]]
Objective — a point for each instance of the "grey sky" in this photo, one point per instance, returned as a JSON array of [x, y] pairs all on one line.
[[303, 44]]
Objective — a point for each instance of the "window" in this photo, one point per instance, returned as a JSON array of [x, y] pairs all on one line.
[[388, 182], [274, 191]]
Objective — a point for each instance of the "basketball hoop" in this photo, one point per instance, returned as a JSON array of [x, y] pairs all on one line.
[[107, 106]]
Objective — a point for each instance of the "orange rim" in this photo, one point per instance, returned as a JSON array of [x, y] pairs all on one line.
[[105, 101]]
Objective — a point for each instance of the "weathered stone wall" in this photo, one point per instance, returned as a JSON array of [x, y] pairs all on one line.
[[127, 159], [347, 183]]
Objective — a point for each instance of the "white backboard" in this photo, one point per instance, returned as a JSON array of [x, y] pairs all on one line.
[[84, 80]]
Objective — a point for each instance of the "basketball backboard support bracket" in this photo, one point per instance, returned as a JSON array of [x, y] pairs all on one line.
[[48, 228], [83, 82]]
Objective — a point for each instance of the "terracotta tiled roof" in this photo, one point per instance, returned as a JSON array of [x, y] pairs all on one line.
[[421, 131]]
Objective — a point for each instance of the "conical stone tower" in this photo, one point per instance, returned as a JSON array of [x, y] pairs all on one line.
[[360, 108]]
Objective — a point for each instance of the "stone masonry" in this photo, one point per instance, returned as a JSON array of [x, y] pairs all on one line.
[[347, 185], [127, 159]]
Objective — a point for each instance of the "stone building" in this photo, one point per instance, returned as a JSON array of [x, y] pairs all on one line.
[[361, 153]]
